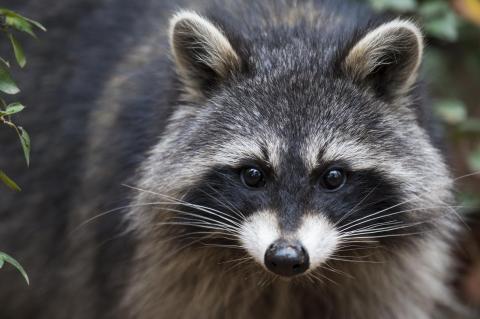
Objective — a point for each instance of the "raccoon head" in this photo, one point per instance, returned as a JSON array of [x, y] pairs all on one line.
[[299, 148]]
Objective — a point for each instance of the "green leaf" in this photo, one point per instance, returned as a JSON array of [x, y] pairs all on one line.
[[2, 262], [25, 140], [7, 85], [13, 109], [18, 51], [7, 181], [18, 22], [37, 24], [4, 62], [451, 111], [6, 258], [474, 160]]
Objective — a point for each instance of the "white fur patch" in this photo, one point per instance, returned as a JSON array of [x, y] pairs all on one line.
[[237, 151], [319, 237], [258, 233]]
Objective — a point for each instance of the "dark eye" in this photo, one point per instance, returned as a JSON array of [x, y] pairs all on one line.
[[333, 179], [252, 177]]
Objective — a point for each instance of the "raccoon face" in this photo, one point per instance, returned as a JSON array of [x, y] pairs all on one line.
[[297, 155]]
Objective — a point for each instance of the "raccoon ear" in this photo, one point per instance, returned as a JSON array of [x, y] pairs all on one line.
[[203, 54], [387, 58]]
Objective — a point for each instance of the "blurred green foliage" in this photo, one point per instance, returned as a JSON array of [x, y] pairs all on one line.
[[452, 70]]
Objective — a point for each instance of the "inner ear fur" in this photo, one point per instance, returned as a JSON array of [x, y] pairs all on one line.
[[202, 52], [387, 58]]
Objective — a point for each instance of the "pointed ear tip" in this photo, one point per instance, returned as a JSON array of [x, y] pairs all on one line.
[[182, 15], [409, 25]]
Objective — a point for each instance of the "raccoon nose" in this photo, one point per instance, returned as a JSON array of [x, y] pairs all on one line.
[[286, 259]]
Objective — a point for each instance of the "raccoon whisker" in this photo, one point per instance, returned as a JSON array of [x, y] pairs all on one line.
[[310, 278], [268, 281], [314, 279], [259, 272], [213, 212], [362, 207], [357, 248], [373, 214], [204, 221], [205, 218], [352, 211], [204, 226], [225, 221], [315, 274], [241, 262], [379, 230], [195, 223], [360, 222], [453, 209], [91, 219], [262, 282], [355, 260], [227, 204], [224, 246], [466, 176], [326, 266], [354, 257], [386, 229], [390, 235], [374, 226], [219, 235], [216, 229], [206, 233], [190, 235], [390, 222], [117, 209], [355, 240], [389, 208], [237, 260], [176, 200]]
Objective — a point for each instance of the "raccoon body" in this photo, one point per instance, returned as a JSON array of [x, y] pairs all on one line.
[[230, 160]]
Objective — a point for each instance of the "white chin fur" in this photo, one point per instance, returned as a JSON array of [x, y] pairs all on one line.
[[317, 235]]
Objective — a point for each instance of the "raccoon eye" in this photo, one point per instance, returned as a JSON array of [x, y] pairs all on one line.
[[333, 179], [252, 177]]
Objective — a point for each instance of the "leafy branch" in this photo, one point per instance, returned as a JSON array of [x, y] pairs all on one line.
[[9, 23]]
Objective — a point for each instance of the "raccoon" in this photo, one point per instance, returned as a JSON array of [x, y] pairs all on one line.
[[228, 160]]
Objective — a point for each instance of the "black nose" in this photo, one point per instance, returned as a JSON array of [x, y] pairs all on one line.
[[286, 259]]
